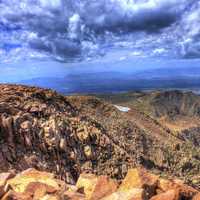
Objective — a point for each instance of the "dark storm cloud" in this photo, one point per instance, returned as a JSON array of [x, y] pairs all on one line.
[[60, 47], [60, 27], [117, 15]]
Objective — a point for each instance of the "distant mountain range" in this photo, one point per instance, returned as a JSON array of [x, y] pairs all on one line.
[[109, 82]]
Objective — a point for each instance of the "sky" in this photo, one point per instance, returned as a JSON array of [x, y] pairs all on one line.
[[74, 30]]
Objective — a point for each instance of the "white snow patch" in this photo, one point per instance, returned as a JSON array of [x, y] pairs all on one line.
[[122, 108]]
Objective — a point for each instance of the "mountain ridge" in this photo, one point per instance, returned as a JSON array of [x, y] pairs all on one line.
[[69, 135]]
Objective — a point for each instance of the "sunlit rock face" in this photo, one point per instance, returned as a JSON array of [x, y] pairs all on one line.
[[33, 184], [67, 29]]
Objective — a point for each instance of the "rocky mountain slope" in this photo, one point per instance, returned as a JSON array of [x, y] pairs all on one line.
[[175, 110], [157, 145], [160, 103], [41, 129], [71, 135]]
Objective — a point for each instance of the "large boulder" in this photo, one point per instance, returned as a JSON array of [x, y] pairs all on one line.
[[33, 184], [12, 195], [169, 195], [96, 187], [185, 190], [196, 197], [140, 178], [69, 195], [32, 178], [132, 194], [4, 177]]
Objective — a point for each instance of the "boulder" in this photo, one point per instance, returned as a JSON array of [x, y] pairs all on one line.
[[12, 195], [96, 187], [196, 197], [185, 190], [132, 194], [22, 181], [3, 180], [169, 195], [140, 178], [39, 190], [69, 195]]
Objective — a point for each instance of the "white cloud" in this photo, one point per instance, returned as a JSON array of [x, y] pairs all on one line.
[[190, 25], [51, 3], [61, 28]]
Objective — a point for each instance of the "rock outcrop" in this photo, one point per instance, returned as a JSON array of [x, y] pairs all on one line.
[[138, 185], [41, 129]]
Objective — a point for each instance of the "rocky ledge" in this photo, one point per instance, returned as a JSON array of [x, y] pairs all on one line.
[[138, 184]]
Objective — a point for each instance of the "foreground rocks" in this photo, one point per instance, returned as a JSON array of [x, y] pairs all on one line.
[[96, 187], [139, 184]]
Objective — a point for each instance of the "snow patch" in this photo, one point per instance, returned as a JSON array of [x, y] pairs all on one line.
[[122, 108]]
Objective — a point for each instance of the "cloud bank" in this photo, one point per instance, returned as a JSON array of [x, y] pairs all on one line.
[[68, 29]]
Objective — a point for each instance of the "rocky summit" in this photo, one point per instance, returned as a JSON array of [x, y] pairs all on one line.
[[42, 129], [84, 147]]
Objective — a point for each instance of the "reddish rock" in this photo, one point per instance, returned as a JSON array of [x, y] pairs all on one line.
[[39, 190], [23, 180], [36, 174], [12, 195], [69, 195], [132, 194], [185, 190], [196, 197], [169, 195], [96, 187], [71, 188], [3, 180], [50, 197], [138, 185], [140, 178]]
